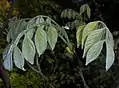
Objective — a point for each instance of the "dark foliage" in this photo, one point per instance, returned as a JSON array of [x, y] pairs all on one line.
[[66, 68]]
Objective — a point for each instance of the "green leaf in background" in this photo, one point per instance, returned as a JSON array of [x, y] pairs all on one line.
[[79, 35], [28, 49], [73, 14], [11, 30], [94, 52], [69, 14], [52, 36], [40, 40], [18, 58], [11, 33], [85, 8], [20, 26], [82, 8], [14, 30], [92, 38], [88, 10], [110, 56], [8, 62], [64, 14], [88, 29]]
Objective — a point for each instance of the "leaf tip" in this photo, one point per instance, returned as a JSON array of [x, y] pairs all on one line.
[[87, 63], [24, 69]]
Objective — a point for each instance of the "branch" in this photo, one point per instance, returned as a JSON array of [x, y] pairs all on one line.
[[80, 72], [38, 66], [82, 77], [35, 70], [4, 77]]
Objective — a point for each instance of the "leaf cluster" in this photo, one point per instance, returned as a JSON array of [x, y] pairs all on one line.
[[92, 37], [76, 18], [29, 39]]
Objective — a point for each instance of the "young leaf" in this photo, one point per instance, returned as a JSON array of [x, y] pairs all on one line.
[[73, 14], [69, 51], [41, 20], [52, 36], [8, 63], [88, 29], [37, 20], [18, 58], [110, 56], [40, 40], [48, 20], [92, 38], [94, 52], [28, 49], [79, 35]]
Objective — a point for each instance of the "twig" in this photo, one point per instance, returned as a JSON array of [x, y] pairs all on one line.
[[33, 68], [82, 77], [37, 70], [81, 73], [55, 63], [38, 66], [4, 77]]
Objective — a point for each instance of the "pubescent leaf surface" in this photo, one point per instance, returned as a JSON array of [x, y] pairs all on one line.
[[109, 38], [40, 40], [30, 33], [87, 30], [92, 38], [110, 56], [8, 62], [28, 49], [18, 58], [52, 36], [94, 52], [79, 35]]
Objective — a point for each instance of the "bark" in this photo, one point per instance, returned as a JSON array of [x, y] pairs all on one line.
[[4, 77]]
